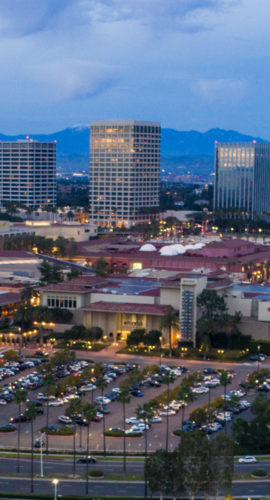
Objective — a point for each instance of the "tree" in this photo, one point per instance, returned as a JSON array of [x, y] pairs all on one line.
[[169, 321], [152, 338], [199, 416], [49, 383], [31, 413], [212, 305], [167, 379], [24, 316], [94, 333], [73, 410], [102, 383], [73, 273], [136, 337], [186, 396], [28, 293], [49, 273], [230, 325], [11, 355], [225, 379], [89, 412], [124, 398], [221, 462], [145, 413], [193, 461], [20, 397], [157, 467], [101, 267]]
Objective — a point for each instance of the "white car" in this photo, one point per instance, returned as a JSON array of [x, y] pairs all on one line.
[[87, 388], [117, 390], [56, 402], [248, 459], [155, 420], [102, 400], [64, 420], [134, 430], [3, 402], [167, 411], [133, 420]]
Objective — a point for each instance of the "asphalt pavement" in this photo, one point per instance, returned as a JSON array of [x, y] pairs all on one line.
[[116, 488]]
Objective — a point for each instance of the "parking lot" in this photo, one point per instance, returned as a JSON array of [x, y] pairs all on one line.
[[157, 431]]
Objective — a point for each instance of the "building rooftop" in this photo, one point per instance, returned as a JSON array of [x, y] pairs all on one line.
[[126, 307]]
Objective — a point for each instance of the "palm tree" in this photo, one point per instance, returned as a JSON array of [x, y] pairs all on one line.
[[102, 384], [89, 412], [145, 413], [31, 413], [170, 320], [20, 397], [49, 382], [74, 409], [124, 398], [225, 379], [186, 396], [168, 378]]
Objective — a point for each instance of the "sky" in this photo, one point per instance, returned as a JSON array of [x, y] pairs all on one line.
[[190, 64]]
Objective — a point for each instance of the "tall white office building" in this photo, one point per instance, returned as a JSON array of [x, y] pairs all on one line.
[[124, 172], [28, 173]]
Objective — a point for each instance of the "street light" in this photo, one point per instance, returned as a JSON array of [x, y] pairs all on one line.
[[55, 483], [258, 354]]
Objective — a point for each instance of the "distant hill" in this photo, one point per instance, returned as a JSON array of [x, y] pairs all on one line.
[[181, 152]]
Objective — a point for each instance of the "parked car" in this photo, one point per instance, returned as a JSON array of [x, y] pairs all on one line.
[[137, 393], [64, 420]]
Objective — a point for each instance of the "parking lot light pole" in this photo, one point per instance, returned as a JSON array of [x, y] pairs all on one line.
[[55, 483], [41, 455], [258, 360]]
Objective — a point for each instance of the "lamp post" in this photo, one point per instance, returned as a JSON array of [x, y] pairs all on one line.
[[258, 360], [41, 455], [55, 483]]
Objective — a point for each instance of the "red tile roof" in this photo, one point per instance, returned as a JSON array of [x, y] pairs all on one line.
[[9, 298], [126, 307]]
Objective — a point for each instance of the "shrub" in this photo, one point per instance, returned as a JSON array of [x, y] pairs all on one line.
[[96, 473], [64, 431], [259, 473]]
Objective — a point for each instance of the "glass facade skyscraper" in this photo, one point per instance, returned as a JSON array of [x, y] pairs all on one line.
[[242, 178], [28, 173], [124, 171]]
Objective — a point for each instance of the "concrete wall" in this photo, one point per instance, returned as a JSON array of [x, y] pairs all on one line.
[[239, 304], [259, 330], [113, 297], [264, 311], [170, 296]]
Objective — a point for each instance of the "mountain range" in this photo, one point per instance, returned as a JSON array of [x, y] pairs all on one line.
[[183, 153]]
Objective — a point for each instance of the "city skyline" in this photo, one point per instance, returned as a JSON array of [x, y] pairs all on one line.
[[186, 64]]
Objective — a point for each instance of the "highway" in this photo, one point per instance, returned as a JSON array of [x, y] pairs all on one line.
[[115, 488]]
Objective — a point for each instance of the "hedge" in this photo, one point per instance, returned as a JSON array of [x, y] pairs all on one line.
[[259, 473], [44, 496], [121, 434], [96, 473], [7, 429], [64, 431]]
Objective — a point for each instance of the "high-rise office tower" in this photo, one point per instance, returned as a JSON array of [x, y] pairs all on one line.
[[242, 178], [28, 173], [124, 171]]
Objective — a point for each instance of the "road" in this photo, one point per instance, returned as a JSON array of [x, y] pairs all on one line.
[[157, 432], [9, 466], [115, 488]]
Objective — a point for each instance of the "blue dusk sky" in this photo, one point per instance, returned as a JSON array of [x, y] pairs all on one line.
[[191, 64]]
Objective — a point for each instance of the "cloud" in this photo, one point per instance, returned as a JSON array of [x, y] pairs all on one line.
[[161, 14], [73, 79], [217, 89], [20, 18]]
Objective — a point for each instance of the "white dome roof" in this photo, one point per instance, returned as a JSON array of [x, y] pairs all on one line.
[[169, 250], [148, 247], [179, 248]]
